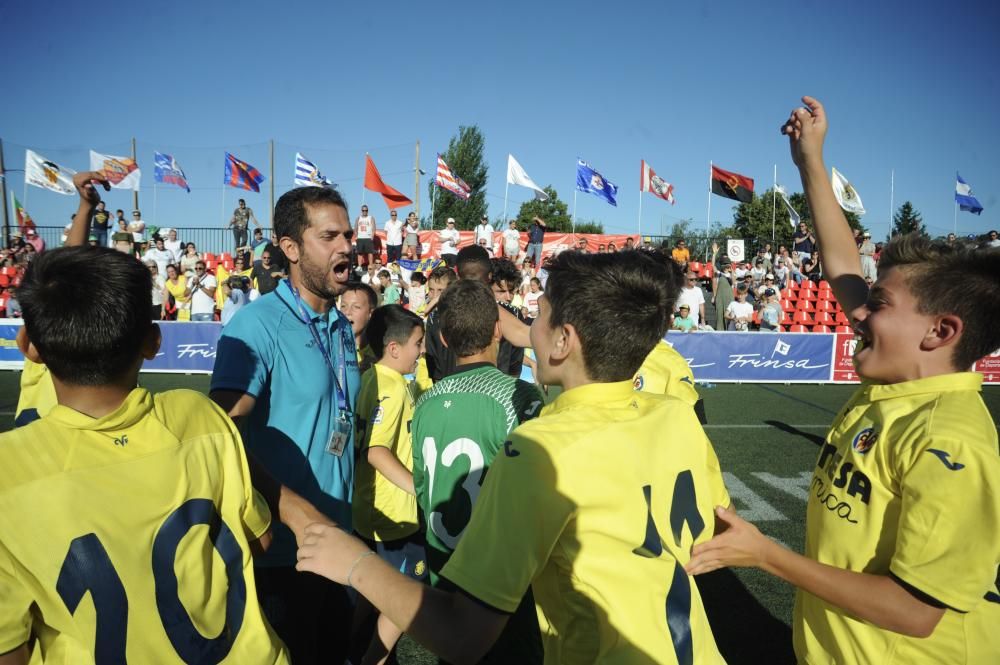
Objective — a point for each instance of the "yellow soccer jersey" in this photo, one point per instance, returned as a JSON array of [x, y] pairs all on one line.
[[908, 485], [597, 507], [37, 396], [422, 379], [366, 358], [665, 372], [126, 537], [381, 510]]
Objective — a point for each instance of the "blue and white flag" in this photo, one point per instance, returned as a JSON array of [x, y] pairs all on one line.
[[590, 181], [166, 170], [308, 175], [964, 197]]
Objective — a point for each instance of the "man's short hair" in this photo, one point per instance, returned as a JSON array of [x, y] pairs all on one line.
[[391, 323], [445, 273], [368, 291], [503, 271], [952, 279], [619, 304], [290, 218], [88, 325], [384, 273], [468, 315], [473, 262]]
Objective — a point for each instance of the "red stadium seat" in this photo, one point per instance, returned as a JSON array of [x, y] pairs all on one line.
[[807, 294], [694, 266], [707, 271], [9, 271], [16, 281], [845, 329], [788, 305], [808, 284], [4, 280], [824, 294], [756, 317], [210, 265], [798, 329], [824, 318], [225, 256], [824, 285], [821, 329], [208, 256], [228, 264], [842, 319], [825, 306], [790, 294], [802, 317], [804, 306]]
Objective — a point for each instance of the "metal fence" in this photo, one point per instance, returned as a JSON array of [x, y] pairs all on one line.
[[206, 240]]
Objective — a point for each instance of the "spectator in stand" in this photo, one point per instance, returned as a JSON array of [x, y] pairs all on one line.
[[683, 320], [416, 292], [867, 251], [258, 243], [159, 286], [173, 245], [176, 296], [751, 292], [202, 289], [768, 256], [803, 242], [120, 218], [758, 271], [739, 312], [239, 223], [629, 244], [238, 292], [767, 285], [364, 235], [581, 245], [189, 259], [692, 295], [503, 280], [411, 242], [681, 254], [266, 275], [992, 240], [764, 258], [770, 312], [812, 268], [781, 272], [137, 228], [535, 292], [950, 240], [370, 275], [35, 241], [439, 280], [484, 231], [511, 241], [857, 237], [536, 238], [612, 248], [122, 239], [390, 292], [722, 287], [159, 254], [449, 238], [393, 237], [878, 252], [100, 220], [601, 249]]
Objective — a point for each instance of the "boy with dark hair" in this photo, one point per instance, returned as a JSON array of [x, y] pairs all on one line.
[[905, 569], [357, 303], [385, 507], [504, 280], [168, 465], [589, 504]]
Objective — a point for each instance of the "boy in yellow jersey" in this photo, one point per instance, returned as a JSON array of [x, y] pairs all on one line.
[[357, 303], [126, 520], [665, 372], [591, 504], [385, 504], [902, 552]]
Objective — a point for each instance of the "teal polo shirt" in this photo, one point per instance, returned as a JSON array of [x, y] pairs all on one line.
[[268, 352]]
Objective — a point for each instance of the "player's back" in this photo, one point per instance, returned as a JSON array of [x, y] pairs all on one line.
[[125, 538], [666, 372]]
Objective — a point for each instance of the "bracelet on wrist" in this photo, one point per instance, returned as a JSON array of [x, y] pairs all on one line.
[[354, 565]]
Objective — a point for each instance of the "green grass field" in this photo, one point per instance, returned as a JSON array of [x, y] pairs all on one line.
[[767, 439]]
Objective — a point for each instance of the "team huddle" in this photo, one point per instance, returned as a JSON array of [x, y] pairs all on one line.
[[318, 504]]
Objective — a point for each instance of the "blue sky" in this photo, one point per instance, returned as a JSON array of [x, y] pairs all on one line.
[[910, 86]]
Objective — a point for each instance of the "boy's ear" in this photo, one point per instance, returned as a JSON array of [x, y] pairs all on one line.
[[947, 331], [151, 345], [564, 341], [497, 335], [26, 347]]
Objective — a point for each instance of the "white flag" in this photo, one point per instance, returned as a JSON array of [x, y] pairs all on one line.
[[43, 173], [517, 176], [121, 172], [847, 196], [308, 175], [793, 217]]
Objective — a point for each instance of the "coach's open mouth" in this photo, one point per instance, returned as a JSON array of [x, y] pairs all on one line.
[[342, 270]]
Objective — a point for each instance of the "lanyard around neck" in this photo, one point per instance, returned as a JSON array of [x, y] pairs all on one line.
[[340, 371]]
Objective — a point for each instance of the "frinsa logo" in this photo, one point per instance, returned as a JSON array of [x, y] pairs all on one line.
[[786, 361]]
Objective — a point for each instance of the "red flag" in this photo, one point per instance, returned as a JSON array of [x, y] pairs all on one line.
[[373, 182], [654, 184], [732, 185]]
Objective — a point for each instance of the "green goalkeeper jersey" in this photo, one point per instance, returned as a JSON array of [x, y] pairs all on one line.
[[459, 426]]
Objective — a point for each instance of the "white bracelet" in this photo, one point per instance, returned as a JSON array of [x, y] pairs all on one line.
[[355, 565]]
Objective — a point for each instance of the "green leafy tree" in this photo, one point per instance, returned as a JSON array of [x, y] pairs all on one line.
[[464, 157], [553, 212], [588, 226], [752, 221], [908, 220]]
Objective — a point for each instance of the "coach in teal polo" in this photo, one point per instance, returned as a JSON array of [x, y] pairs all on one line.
[[286, 370]]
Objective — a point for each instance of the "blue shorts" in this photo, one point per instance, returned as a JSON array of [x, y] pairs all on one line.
[[407, 555]]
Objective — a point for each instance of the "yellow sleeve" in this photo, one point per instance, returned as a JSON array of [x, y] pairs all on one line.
[[15, 607], [256, 515], [386, 418], [946, 541], [517, 520], [720, 495]]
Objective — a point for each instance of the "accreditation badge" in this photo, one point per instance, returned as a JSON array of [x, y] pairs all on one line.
[[340, 435]]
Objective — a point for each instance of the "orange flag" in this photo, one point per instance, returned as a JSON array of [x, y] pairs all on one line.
[[373, 182]]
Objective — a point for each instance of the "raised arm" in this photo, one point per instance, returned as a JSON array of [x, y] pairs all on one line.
[[89, 198], [806, 130]]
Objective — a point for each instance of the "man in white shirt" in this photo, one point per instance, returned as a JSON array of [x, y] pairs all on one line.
[[511, 241], [393, 238], [739, 313], [137, 228], [364, 232], [160, 255], [449, 242], [692, 296], [202, 288], [485, 231]]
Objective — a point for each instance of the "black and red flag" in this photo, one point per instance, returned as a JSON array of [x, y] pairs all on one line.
[[732, 185]]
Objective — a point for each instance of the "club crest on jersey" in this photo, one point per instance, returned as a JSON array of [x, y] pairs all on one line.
[[639, 382], [865, 440], [377, 416], [419, 568]]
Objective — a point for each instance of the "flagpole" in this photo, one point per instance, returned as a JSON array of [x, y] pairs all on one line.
[[433, 192], [271, 206], [573, 218], [954, 224], [708, 218], [363, 179], [506, 188], [135, 192], [892, 199], [223, 211], [154, 205], [774, 201], [416, 183], [640, 213], [3, 194]]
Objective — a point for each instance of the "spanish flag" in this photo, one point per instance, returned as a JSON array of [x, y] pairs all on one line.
[[732, 185]]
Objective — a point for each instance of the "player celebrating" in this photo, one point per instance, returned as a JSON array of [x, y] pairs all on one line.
[[901, 552], [589, 505]]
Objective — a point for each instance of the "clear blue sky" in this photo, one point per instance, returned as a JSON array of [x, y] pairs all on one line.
[[910, 86]]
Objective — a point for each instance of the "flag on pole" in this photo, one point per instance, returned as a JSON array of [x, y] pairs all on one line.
[[373, 182], [241, 175], [307, 174], [655, 185], [24, 221], [168, 171], [41, 172], [590, 181], [847, 196], [793, 216], [121, 172], [517, 176], [732, 185], [964, 198], [445, 179]]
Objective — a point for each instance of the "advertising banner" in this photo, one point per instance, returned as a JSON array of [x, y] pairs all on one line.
[[756, 357]]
